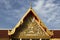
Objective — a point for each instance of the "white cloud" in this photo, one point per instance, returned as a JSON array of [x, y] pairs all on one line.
[[7, 4], [39, 4], [48, 10], [46, 7], [52, 17], [11, 12]]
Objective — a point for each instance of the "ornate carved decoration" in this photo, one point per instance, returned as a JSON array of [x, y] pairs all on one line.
[[33, 29], [31, 25]]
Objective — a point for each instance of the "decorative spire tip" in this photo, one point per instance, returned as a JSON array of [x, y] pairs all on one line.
[[30, 5]]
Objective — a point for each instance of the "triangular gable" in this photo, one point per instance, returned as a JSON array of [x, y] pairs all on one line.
[[29, 13]]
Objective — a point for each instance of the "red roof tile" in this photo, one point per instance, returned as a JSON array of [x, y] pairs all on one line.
[[56, 34], [3, 33]]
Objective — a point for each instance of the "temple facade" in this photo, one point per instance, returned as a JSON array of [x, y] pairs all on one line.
[[31, 27]]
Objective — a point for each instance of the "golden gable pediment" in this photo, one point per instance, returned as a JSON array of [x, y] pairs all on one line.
[[30, 26]]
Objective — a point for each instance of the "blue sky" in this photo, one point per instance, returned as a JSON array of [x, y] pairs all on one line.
[[11, 11]]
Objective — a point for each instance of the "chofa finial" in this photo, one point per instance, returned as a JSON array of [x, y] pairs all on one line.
[[31, 5]]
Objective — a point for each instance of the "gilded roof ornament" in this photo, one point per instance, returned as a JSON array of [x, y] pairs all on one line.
[[31, 5]]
